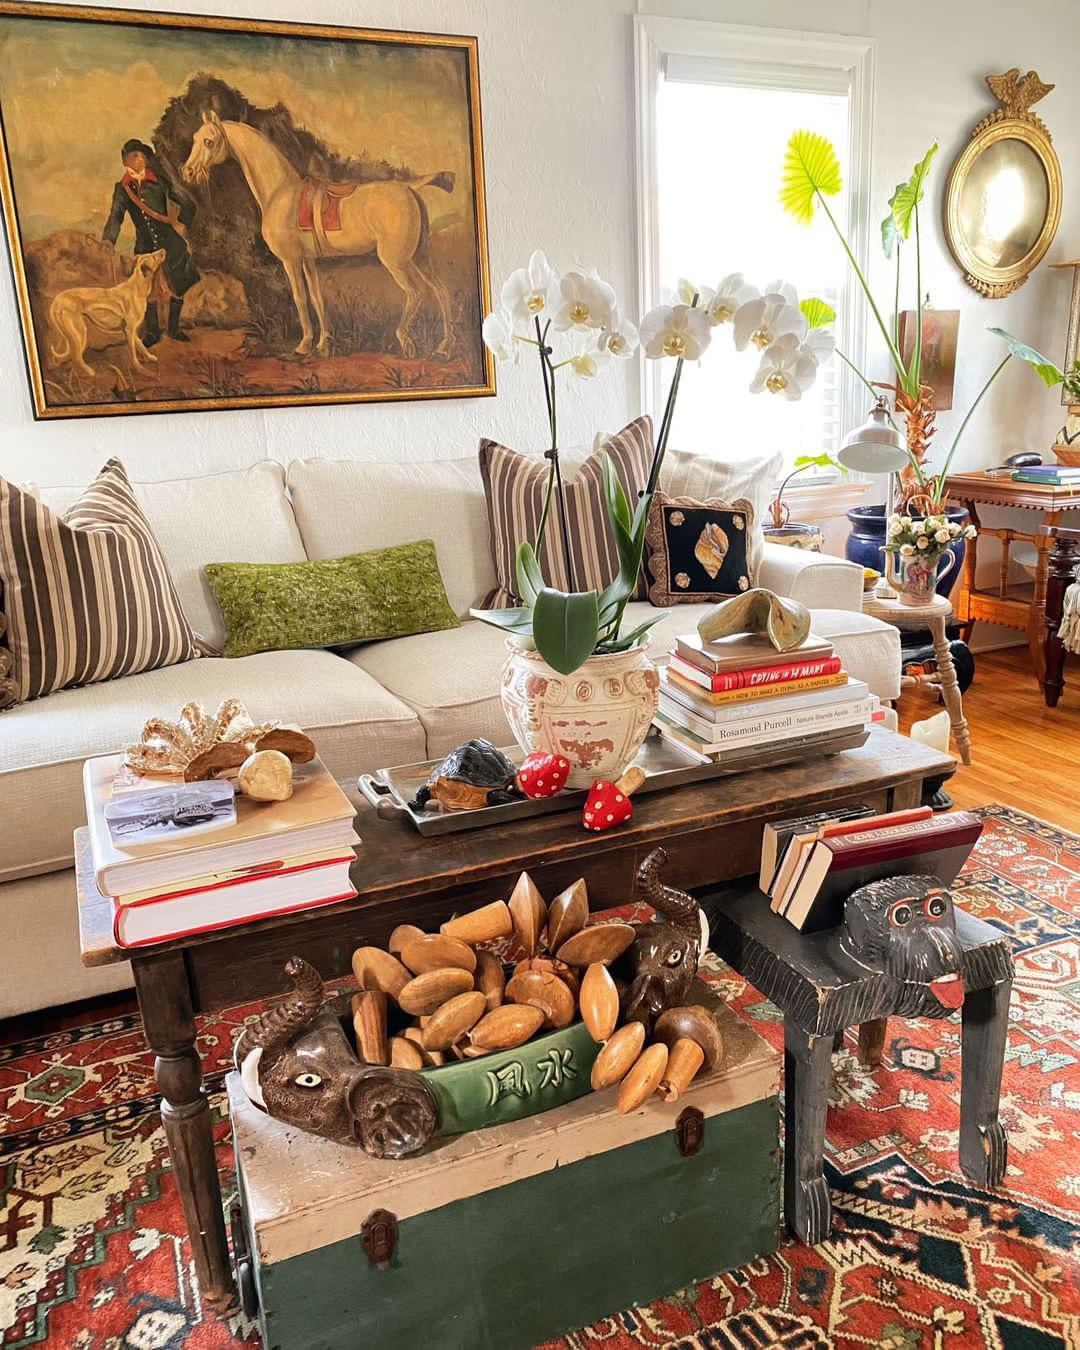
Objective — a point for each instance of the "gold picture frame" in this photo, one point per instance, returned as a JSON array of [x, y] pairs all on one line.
[[1003, 196], [369, 245]]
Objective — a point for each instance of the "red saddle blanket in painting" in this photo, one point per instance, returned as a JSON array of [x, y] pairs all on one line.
[[329, 196]]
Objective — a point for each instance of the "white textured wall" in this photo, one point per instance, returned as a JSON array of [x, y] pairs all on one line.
[[557, 90]]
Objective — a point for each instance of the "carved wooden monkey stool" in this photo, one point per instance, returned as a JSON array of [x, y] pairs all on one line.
[[903, 950]]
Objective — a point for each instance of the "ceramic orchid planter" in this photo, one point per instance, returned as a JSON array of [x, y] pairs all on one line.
[[597, 718]]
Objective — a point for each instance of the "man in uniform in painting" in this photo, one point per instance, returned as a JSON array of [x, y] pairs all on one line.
[[144, 193]]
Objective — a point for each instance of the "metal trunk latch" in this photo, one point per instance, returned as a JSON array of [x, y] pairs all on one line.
[[379, 1236], [690, 1131]]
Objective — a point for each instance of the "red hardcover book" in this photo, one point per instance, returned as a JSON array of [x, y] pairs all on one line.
[[837, 866], [755, 676]]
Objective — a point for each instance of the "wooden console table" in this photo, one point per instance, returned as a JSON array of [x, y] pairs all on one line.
[[1021, 606]]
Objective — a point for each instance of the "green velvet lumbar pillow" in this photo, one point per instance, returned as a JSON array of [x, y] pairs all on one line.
[[387, 593]]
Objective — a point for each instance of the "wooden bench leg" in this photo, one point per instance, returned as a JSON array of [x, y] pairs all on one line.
[[872, 1042], [807, 1074], [984, 1146]]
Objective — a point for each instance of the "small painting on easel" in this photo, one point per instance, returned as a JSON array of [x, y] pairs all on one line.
[[941, 328]]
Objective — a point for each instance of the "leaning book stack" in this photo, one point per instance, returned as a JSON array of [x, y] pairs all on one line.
[[739, 694], [273, 858]]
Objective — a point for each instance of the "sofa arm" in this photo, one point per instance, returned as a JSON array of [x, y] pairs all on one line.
[[815, 579]]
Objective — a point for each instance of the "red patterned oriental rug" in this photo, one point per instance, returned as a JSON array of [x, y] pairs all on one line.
[[93, 1258]]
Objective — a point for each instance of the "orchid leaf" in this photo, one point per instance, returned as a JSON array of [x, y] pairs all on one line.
[[817, 313], [617, 504], [566, 626], [1050, 374], [517, 620], [908, 195], [811, 167], [628, 640], [530, 579]]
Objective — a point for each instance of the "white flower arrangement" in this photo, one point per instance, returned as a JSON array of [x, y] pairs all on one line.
[[930, 536]]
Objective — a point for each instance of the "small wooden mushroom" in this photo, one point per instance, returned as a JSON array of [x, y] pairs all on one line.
[[694, 1041]]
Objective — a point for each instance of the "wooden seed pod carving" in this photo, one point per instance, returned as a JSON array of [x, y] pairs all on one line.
[[567, 914], [643, 1079], [551, 966], [602, 942], [540, 989], [528, 912], [490, 979], [402, 934], [599, 1002], [505, 1027], [425, 993], [481, 925], [376, 969], [369, 1023], [452, 1020], [617, 1055], [404, 1054], [436, 951]]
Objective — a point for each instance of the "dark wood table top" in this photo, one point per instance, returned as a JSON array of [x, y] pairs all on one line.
[[438, 874], [980, 486]]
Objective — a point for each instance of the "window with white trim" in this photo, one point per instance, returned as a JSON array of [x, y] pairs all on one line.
[[717, 106]]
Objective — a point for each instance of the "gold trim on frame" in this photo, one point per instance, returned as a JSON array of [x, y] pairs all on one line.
[[1013, 120], [30, 9]]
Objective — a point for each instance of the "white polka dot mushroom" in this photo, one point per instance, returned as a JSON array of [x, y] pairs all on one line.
[[542, 774], [608, 804]]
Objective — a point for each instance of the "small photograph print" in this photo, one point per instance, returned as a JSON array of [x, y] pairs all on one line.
[[161, 813]]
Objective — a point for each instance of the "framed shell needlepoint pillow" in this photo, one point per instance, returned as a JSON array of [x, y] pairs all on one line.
[[696, 551]]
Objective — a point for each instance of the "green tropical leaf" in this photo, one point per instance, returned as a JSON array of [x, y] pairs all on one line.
[[565, 627], [890, 235], [1042, 365], [518, 620], [628, 640], [816, 312], [530, 579], [823, 461], [908, 195], [811, 167], [618, 506]]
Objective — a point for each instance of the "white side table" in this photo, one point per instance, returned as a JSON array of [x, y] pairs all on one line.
[[933, 616]]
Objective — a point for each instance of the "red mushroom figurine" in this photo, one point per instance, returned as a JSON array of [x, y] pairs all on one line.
[[543, 775], [608, 804]]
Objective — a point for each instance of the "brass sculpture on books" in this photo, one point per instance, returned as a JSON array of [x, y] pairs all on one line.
[[786, 622]]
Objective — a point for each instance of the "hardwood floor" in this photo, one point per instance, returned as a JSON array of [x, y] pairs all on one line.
[[1024, 754]]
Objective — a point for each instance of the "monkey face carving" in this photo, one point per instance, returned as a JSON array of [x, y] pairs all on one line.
[[906, 928]]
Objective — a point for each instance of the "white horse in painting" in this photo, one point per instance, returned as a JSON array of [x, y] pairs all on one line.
[[386, 218]]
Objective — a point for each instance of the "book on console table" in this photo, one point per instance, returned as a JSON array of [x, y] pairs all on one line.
[[755, 677], [781, 689], [745, 651], [764, 727], [775, 699]]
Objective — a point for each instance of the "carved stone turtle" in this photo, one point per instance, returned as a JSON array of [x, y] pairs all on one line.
[[474, 774]]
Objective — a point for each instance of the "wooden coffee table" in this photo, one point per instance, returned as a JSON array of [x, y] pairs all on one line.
[[712, 832]]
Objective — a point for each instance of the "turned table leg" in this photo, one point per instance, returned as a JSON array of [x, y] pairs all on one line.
[[169, 1024], [807, 1074], [984, 1146], [872, 1042], [1062, 565], [950, 688]]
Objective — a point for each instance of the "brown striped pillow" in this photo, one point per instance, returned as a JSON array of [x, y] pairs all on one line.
[[515, 484], [87, 595]]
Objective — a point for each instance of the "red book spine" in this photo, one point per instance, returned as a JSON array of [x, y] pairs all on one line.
[[755, 676], [851, 851]]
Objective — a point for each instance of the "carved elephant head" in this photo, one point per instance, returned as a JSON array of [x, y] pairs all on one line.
[[298, 1065], [662, 961], [906, 928]]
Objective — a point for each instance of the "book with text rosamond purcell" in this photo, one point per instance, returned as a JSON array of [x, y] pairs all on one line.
[[318, 815]]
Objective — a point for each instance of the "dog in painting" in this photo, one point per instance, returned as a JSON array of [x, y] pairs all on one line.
[[116, 310]]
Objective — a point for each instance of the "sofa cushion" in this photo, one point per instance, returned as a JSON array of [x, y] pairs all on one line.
[[357, 725], [452, 679], [349, 506], [240, 516]]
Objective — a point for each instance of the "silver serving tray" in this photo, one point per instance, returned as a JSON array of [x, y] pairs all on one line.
[[666, 765]]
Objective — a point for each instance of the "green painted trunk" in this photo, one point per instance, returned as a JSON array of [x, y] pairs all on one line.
[[532, 1259]]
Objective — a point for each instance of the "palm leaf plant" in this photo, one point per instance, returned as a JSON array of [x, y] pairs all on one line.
[[811, 175], [539, 306]]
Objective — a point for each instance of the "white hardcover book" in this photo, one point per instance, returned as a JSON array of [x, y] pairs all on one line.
[[751, 710], [771, 727]]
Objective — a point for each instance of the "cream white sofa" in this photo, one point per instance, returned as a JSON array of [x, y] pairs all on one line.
[[379, 704]]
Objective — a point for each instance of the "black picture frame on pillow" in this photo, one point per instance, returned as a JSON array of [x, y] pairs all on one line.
[[696, 551]]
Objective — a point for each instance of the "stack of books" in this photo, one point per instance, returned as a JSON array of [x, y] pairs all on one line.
[[811, 864], [270, 858], [1049, 475], [739, 692]]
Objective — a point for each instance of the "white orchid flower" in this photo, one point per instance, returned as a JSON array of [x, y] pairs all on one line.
[[675, 330], [586, 301], [586, 364], [820, 343], [619, 338], [768, 318], [530, 291], [787, 367], [732, 292], [497, 331]]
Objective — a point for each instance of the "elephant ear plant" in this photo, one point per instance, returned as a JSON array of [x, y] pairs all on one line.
[[811, 175], [539, 306]]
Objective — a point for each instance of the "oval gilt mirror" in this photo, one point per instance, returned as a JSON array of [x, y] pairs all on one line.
[[1003, 199]]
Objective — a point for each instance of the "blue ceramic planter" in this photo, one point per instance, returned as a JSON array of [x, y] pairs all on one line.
[[867, 538]]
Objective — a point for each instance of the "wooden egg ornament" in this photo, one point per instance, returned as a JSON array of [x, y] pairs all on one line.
[[684, 1062], [436, 951], [694, 1023], [528, 911], [599, 1002], [266, 776], [643, 1079], [506, 1027], [567, 914], [489, 978], [404, 1054], [613, 1062], [452, 1020], [543, 990], [543, 775], [481, 925], [600, 942], [376, 969], [425, 993], [403, 934], [608, 804], [369, 1023]]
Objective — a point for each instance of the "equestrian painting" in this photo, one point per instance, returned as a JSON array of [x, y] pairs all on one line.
[[213, 213]]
